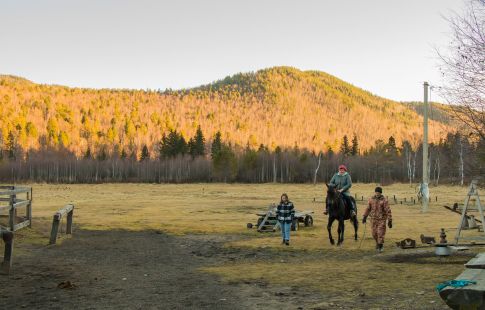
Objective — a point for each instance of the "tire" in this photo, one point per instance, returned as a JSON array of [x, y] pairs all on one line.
[[295, 225], [249, 225], [308, 221]]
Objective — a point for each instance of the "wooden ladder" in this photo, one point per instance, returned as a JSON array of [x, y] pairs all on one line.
[[265, 219], [472, 192]]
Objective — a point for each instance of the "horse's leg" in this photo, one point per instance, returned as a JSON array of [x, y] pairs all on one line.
[[341, 229], [356, 227], [329, 228]]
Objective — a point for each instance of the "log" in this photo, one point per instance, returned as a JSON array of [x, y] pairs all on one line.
[[468, 297]]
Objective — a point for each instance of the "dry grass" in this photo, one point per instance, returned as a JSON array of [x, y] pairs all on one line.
[[225, 209]]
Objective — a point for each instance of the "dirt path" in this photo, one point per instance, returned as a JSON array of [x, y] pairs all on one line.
[[115, 269], [134, 270]]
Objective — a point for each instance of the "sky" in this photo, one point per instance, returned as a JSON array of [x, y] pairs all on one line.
[[384, 46]]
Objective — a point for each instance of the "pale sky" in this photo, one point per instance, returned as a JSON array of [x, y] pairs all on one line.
[[384, 46]]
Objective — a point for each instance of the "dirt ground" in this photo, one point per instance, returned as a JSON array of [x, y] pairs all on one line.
[[142, 270], [186, 247]]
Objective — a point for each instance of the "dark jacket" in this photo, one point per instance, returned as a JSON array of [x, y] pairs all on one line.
[[285, 212]]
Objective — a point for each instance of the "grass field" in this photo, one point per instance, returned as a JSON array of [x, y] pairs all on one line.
[[352, 272]]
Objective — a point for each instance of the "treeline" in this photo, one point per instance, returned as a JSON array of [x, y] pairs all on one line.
[[276, 106], [455, 159]]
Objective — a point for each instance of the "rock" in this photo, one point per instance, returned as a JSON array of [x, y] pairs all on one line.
[[420, 293], [66, 285]]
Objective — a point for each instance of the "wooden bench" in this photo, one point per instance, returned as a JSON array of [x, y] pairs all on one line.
[[471, 296]]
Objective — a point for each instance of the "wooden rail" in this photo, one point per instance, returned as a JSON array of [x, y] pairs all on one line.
[[69, 210], [14, 203], [7, 237]]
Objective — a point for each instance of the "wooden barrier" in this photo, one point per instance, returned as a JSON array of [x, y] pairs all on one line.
[[7, 237], [69, 210], [471, 296], [9, 194]]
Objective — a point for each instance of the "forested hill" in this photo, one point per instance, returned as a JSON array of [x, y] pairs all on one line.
[[280, 106]]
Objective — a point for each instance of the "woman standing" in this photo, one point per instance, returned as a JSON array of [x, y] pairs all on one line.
[[285, 213]]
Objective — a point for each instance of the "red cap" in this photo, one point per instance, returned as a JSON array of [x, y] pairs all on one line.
[[342, 167]]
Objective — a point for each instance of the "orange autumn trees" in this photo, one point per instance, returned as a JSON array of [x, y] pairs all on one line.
[[279, 106]]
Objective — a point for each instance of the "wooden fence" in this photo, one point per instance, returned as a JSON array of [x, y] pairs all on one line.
[[56, 221], [9, 195]]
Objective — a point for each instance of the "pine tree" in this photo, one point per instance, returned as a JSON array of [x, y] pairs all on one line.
[[88, 155], [199, 143], [123, 154], [225, 163], [216, 145], [172, 145], [144, 153], [345, 148], [391, 146], [355, 146]]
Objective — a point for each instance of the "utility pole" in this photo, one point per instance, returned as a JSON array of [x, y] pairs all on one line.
[[424, 185]]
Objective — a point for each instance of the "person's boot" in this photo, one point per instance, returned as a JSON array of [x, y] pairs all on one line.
[[287, 242], [381, 247], [283, 242], [377, 247]]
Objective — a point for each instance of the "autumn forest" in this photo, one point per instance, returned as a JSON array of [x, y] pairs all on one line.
[[275, 125]]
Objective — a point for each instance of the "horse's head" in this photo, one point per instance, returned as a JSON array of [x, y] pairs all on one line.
[[331, 190], [333, 195]]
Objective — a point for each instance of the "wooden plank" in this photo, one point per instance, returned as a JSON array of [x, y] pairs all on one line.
[[2, 208], [471, 296], [66, 209], [477, 262], [451, 209], [20, 203], [14, 191], [21, 225]]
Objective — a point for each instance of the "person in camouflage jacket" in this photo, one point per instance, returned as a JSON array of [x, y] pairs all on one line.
[[379, 211]]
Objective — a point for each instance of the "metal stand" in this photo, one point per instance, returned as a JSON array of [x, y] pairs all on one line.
[[472, 192]]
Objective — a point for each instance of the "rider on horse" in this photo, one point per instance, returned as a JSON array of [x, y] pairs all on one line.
[[342, 181]]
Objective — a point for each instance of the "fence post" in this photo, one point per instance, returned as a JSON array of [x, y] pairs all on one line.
[[55, 228], [29, 207], [69, 222], [11, 213], [7, 237]]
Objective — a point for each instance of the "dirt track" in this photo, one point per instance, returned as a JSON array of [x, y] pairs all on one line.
[[135, 270]]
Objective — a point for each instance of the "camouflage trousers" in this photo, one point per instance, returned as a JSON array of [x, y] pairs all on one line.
[[379, 230]]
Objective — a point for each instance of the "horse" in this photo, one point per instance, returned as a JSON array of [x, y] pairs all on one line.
[[337, 210]]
